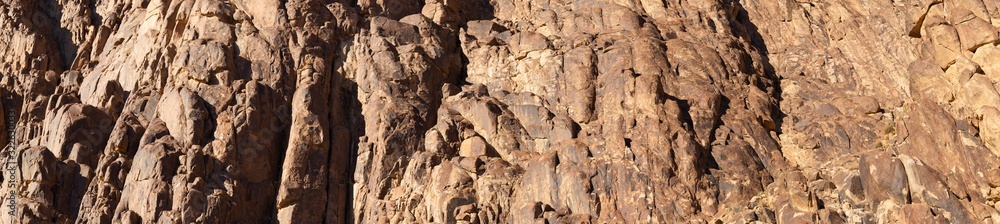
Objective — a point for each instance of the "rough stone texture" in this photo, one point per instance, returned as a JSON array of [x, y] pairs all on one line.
[[501, 111]]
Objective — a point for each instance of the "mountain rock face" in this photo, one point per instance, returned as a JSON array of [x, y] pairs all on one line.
[[500, 111]]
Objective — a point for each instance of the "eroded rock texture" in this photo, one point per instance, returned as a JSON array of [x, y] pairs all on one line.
[[501, 111]]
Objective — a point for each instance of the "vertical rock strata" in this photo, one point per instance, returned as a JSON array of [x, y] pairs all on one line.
[[501, 111]]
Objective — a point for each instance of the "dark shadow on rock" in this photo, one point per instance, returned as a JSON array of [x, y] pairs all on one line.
[[57, 33], [745, 28], [356, 122]]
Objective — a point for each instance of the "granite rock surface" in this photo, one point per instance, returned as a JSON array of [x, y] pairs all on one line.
[[500, 111]]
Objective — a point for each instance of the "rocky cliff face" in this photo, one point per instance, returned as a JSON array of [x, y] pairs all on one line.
[[500, 111]]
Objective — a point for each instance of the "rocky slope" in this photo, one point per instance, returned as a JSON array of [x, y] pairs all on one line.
[[500, 111]]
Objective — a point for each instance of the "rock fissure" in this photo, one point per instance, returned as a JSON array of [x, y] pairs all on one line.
[[505, 111]]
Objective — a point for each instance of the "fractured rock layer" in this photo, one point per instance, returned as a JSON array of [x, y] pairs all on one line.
[[501, 111]]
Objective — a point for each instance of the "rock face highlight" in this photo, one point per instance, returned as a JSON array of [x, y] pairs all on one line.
[[500, 111]]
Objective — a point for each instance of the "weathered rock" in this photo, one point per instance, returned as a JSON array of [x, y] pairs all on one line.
[[883, 178], [506, 111], [988, 128], [185, 115], [302, 193], [972, 29], [473, 147], [986, 56]]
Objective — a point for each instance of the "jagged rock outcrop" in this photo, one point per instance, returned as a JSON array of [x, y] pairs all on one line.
[[501, 111]]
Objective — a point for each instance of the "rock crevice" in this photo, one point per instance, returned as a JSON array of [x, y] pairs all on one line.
[[502, 111]]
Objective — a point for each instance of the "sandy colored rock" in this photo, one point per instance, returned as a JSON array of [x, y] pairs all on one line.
[[184, 114], [986, 56], [505, 111], [988, 128], [473, 147], [972, 29]]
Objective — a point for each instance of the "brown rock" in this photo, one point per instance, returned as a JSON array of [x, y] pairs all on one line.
[[473, 147], [883, 178], [506, 111], [984, 57], [972, 29], [988, 128], [184, 114], [922, 213]]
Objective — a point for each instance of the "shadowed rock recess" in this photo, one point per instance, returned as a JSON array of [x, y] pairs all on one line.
[[500, 111]]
